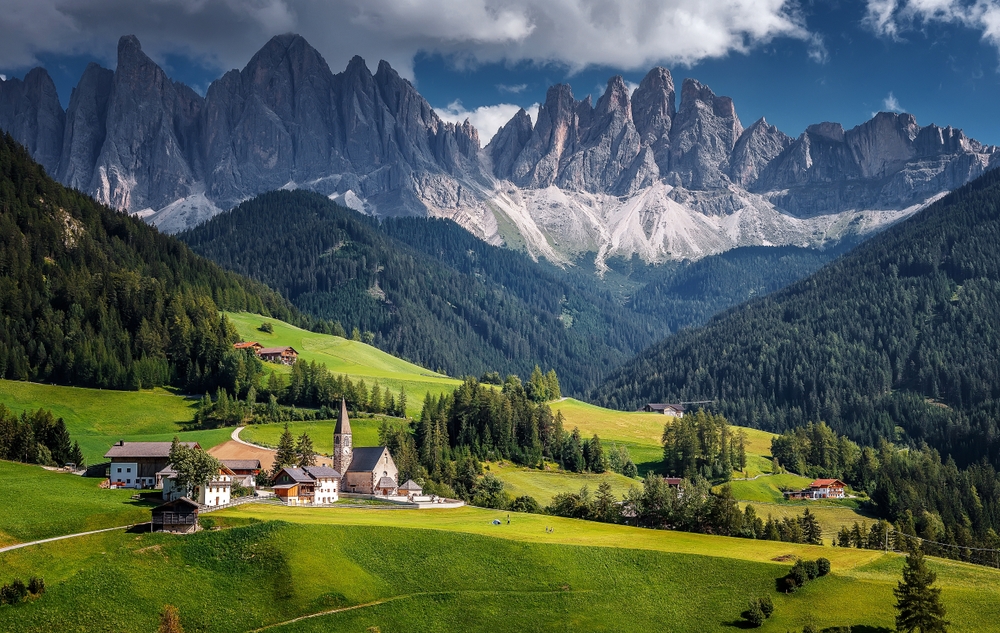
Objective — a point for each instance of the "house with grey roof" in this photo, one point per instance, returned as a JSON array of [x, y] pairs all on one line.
[[245, 471], [135, 464], [309, 485]]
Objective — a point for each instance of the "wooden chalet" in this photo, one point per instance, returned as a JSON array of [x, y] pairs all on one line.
[[254, 345], [669, 410], [179, 516], [283, 355], [307, 485], [819, 489]]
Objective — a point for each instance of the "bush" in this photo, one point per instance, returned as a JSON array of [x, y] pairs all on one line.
[[798, 574], [525, 503], [13, 593], [766, 605], [206, 523], [812, 569], [36, 586], [754, 615], [266, 327], [823, 564]]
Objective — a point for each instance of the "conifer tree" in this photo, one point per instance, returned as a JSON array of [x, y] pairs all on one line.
[[304, 451], [918, 605], [811, 530], [285, 455]]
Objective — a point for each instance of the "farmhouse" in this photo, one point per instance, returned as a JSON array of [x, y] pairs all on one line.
[[217, 492], [179, 515], [135, 464], [368, 470], [819, 489], [254, 345], [307, 485], [245, 471], [283, 355], [670, 410]]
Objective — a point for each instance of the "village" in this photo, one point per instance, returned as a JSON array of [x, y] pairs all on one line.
[[354, 473]]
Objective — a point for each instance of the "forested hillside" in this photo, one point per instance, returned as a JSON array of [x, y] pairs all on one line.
[[430, 292], [901, 333], [93, 297]]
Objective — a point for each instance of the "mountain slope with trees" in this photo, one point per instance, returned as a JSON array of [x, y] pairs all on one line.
[[430, 292], [899, 337], [93, 297]]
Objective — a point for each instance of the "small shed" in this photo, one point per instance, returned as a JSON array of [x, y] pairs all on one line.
[[410, 488], [179, 515], [386, 486]]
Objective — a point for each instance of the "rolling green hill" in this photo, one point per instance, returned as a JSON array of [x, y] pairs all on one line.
[[452, 569], [99, 417], [343, 356]]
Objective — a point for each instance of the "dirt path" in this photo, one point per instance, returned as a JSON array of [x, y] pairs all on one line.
[[59, 538], [238, 448], [375, 603]]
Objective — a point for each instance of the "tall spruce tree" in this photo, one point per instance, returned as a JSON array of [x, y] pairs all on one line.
[[304, 451], [285, 455], [918, 604]]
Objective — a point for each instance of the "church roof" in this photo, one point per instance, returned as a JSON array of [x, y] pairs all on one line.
[[343, 423], [411, 485], [365, 459], [386, 482]]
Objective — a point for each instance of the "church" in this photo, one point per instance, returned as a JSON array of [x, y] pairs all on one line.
[[368, 470]]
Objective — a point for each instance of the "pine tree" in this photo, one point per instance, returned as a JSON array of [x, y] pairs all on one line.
[[304, 451], [918, 604], [285, 455], [811, 530], [76, 455], [401, 403]]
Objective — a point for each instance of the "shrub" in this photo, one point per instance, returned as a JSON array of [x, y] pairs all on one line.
[[266, 327], [206, 523], [766, 605], [812, 569], [754, 615], [13, 593], [525, 503], [823, 564], [36, 586], [798, 574], [170, 620]]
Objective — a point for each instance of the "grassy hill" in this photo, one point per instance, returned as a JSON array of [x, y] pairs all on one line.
[[38, 503], [454, 570], [344, 356], [543, 485], [99, 417]]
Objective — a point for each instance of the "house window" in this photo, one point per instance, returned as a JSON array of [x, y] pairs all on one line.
[[119, 470], [128, 470]]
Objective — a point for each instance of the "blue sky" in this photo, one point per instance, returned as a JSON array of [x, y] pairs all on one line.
[[795, 63]]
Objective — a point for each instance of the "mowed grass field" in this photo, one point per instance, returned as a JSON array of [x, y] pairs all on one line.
[[363, 429], [441, 570], [543, 485], [641, 433], [343, 356], [36, 503], [97, 418], [831, 517]]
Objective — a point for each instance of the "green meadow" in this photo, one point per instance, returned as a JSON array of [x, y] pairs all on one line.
[[543, 485], [343, 356], [97, 418], [363, 429], [440, 570], [36, 503]]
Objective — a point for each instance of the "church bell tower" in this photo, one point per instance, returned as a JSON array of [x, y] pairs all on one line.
[[343, 450]]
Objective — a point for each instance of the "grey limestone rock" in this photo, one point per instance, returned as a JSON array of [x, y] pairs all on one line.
[[703, 136], [30, 111]]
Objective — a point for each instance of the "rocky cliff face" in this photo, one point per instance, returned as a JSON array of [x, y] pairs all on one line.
[[634, 173]]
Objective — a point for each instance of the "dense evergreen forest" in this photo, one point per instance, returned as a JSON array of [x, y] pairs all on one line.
[[898, 338], [429, 291], [92, 297]]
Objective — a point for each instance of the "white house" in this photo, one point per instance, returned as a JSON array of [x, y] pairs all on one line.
[[217, 492], [307, 485]]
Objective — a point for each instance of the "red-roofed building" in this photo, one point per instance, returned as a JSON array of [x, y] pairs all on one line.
[[283, 355], [827, 489], [254, 345]]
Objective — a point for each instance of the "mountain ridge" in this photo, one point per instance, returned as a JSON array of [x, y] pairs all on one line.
[[632, 174]]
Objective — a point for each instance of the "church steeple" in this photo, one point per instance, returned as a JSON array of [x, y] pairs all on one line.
[[343, 450]]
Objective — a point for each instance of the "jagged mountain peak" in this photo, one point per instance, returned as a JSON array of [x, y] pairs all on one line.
[[615, 98]]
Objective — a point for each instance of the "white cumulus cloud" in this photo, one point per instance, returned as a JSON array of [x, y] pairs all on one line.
[[515, 89], [223, 34], [891, 18], [486, 119]]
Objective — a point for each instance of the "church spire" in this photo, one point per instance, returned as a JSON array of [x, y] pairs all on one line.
[[343, 449]]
